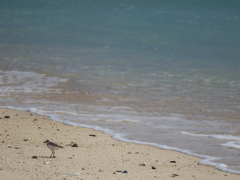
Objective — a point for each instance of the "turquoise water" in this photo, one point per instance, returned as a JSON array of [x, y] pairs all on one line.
[[163, 73]]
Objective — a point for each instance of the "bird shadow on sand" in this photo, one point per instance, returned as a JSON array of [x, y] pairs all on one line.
[[48, 157]]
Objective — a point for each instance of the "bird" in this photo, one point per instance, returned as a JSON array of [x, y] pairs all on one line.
[[53, 147]]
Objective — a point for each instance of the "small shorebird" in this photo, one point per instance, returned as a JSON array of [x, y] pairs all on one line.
[[53, 147]]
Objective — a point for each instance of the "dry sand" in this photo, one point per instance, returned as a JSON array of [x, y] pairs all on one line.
[[23, 155]]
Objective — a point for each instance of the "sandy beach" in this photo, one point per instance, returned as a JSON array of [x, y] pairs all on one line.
[[23, 154]]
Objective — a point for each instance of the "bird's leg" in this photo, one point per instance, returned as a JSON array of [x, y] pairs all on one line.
[[53, 153]]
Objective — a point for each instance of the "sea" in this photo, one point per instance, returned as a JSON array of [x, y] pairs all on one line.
[[161, 73]]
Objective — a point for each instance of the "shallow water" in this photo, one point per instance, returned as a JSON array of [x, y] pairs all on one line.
[[161, 74]]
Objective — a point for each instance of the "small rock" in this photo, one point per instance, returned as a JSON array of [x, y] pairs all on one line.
[[153, 167], [142, 164], [125, 171], [7, 117], [172, 161], [73, 144], [34, 157], [27, 139], [175, 175], [93, 135]]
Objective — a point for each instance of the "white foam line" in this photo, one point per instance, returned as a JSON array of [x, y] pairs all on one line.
[[216, 136], [191, 134], [227, 137], [232, 144]]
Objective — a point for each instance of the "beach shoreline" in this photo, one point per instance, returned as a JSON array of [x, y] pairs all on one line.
[[97, 155]]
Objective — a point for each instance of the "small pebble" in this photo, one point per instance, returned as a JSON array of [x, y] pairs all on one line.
[[7, 117], [27, 139], [175, 175], [74, 144], [93, 135], [142, 164], [34, 157], [172, 161]]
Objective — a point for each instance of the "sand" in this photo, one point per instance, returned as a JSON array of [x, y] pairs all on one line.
[[23, 155]]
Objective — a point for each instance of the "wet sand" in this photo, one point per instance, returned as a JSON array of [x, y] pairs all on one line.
[[23, 154]]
